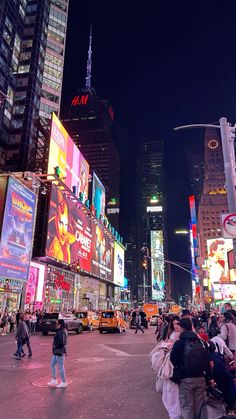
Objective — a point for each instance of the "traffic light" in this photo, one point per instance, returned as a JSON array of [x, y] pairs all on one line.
[[46, 292], [154, 199], [57, 171]]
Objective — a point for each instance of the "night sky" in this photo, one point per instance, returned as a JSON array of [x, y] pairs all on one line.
[[162, 64]]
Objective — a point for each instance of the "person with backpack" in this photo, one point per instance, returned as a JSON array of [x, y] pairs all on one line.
[[190, 358]]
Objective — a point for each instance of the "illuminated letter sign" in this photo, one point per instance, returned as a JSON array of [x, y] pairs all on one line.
[[79, 100]]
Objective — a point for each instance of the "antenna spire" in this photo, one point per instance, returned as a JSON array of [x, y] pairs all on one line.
[[88, 78]]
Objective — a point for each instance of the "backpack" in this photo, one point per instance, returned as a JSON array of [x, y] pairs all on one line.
[[195, 357]]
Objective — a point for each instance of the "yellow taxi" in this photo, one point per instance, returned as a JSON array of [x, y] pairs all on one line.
[[89, 319], [112, 320]]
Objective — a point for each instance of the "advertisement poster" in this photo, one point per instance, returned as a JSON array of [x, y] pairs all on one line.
[[119, 265], [102, 254], [224, 291], [69, 237], [217, 263], [157, 265], [64, 154], [98, 196], [17, 231]]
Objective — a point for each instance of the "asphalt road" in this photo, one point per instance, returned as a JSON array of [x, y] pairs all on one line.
[[110, 377]]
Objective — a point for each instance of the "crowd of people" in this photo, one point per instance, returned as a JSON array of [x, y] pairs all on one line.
[[195, 363], [9, 320]]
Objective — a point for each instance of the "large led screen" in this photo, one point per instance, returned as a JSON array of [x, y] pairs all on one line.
[[224, 291], [64, 154], [102, 254], [119, 265], [218, 267], [69, 237], [157, 265], [17, 231], [98, 196]]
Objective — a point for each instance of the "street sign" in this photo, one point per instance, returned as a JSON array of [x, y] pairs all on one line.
[[228, 222]]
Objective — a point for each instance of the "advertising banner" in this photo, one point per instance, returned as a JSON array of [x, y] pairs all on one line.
[[218, 267], [228, 222], [17, 231], [64, 154], [69, 237], [157, 265], [102, 254], [119, 265], [98, 196], [224, 291]]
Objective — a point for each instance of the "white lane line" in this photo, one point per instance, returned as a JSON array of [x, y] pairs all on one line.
[[118, 352]]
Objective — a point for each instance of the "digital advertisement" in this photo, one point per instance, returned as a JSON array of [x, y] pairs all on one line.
[[102, 254], [157, 265], [217, 263], [98, 196], [119, 265], [17, 231], [64, 154], [69, 237]]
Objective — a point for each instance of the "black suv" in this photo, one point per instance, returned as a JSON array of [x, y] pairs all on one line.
[[49, 320]]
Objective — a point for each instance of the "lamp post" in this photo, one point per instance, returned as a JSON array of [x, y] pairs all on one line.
[[145, 269]]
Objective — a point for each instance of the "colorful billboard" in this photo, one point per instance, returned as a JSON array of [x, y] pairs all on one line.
[[17, 231], [119, 265], [64, 154], [218, 267], [35, 285], [102, 254], [224, 291], [98, 196], [69, 237], [157, 265]]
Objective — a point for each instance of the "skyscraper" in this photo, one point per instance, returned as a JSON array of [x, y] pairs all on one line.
[[151, 216], [33, 36], [89, 119], [213, 200]]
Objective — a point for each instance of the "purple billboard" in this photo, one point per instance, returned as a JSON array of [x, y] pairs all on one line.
[[17, 231]]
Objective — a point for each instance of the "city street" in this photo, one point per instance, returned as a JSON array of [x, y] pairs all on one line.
[[110, 377]]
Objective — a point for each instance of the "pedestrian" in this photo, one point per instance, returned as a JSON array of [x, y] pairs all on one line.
[[228, 331], [213, 328], [21, 334], [27, 338], [11, 320], [59, 353], [159, 327], [138, 322], [4, 323], [18, 314], [202, 333], [190, 358]]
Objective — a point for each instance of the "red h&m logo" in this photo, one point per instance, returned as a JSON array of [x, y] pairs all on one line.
[[79, 100]]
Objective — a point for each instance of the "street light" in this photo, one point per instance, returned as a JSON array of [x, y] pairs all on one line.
[[143, 249]]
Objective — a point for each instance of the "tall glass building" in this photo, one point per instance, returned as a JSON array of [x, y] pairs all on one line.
[[32, 49]]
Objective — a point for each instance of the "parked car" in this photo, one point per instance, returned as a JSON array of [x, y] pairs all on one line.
[[49, 320], [153, 320], [112, 320], [89, 319]]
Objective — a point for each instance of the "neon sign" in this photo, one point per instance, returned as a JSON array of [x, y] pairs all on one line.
[[80, 100]]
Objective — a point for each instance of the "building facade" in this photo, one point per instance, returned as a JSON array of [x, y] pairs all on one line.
[[151, 221], [213, 201], [32, 55]]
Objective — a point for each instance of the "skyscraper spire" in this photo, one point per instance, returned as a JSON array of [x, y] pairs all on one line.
[[88, 78]]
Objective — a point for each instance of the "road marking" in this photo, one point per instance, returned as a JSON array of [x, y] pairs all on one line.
[[118, 352], [44, 383]]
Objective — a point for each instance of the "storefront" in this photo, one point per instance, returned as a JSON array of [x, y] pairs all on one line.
[[10, 294], [89, 293], [59, 289]]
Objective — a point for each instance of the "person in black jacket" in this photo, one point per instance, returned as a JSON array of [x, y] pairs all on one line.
[[190, 358], [59, 353]]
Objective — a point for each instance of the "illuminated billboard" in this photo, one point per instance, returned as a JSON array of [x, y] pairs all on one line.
[[98, 196], [224, 291], [218, 267], [35, 285], [69, 237], [17, 231], [157, 265], [64, 154], [119, 265], [102, 253]]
